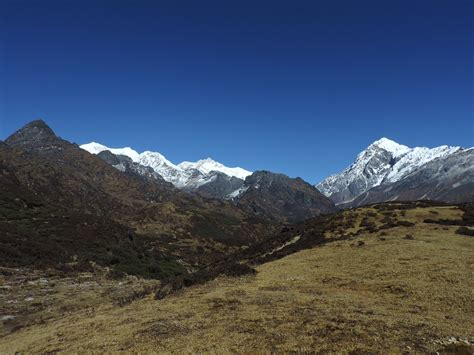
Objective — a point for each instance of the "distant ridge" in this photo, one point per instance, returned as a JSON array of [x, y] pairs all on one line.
[[186, 175]]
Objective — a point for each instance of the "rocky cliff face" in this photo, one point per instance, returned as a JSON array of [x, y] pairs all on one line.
[[219, 185]]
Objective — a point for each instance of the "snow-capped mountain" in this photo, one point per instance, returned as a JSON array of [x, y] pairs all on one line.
[[186, 175], [207, 165], [170, 172], [383, 162], [96, 148], [448, 178]]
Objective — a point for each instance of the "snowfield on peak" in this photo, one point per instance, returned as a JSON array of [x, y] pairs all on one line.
[[205, 166], [390, 146], [96, 148], [184, 175], [415, 158], [383, 162]]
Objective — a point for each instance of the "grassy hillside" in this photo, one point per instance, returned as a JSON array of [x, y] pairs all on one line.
[[60, 176], [397, 278]]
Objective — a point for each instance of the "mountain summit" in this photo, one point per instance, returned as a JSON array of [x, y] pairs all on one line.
[[279, 197], [207, 165], [390, 146], [384, 162], [36, 135], [96, 148]]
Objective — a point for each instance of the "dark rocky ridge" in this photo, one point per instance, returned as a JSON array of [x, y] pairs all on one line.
[[36, 135], [279, 197], [220, 186]]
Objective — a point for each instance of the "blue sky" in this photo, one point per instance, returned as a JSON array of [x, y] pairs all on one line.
[[298, 87]]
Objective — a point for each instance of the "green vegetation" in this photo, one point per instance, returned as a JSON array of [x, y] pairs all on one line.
[[465, 231], [38, 235]]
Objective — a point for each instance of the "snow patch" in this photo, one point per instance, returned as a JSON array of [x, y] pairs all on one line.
[[237, 193]]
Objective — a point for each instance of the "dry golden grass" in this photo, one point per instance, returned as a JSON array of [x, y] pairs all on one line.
[[372, 293]]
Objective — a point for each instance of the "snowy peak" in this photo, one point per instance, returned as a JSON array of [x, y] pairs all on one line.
[[96, 148], [390, 146], [205, 166], [383, 162], [182, 175], [156, 160], [169, 171]]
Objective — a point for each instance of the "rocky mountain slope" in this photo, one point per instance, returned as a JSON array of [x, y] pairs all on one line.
[[43, 235], [109, 202], [218, 185], [384, 163], [127, 165], [280, 197], [449, 179], [189, 227]]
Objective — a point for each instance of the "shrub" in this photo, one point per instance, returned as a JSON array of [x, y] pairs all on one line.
[[405, 224], [465, 231]]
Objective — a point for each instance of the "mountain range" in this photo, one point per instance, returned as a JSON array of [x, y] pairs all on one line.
[[181, 175], [385, 171], [62, 190], [263, 193], [103, 220], [135, 209]]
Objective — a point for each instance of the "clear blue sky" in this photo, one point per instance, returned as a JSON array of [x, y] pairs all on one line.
[[298, 87]]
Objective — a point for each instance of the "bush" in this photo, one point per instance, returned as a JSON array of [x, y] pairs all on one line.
[[405, 224], [465, 231], [445, 222]]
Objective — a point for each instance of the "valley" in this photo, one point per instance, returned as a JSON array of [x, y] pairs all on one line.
[[112, 250], [402, 287]]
